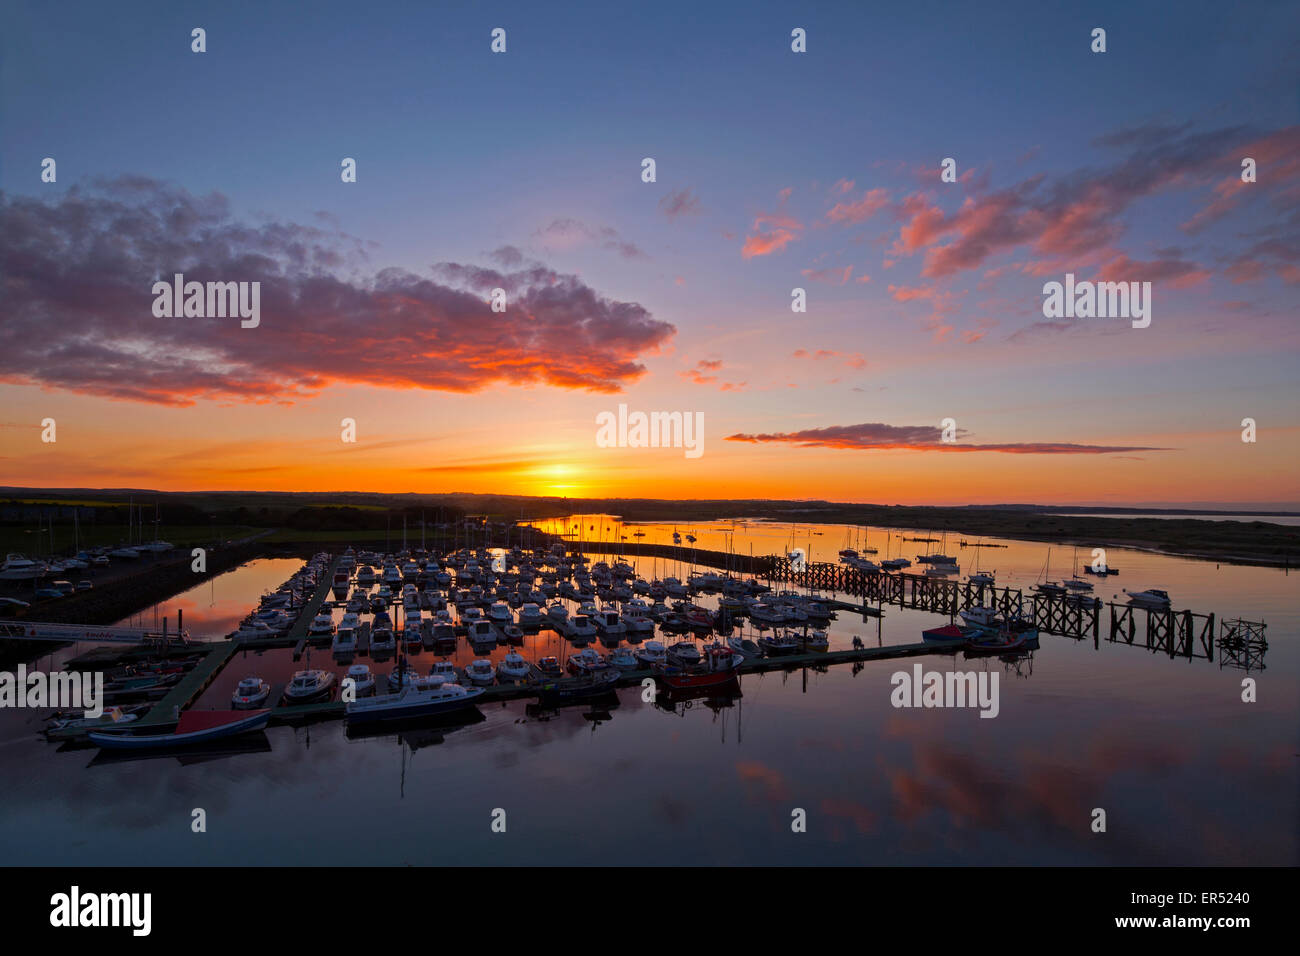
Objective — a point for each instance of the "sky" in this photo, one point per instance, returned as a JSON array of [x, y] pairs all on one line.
[[775, 170]]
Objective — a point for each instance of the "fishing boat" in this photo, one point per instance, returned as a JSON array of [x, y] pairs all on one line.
[[195, 727], [250, 694], [1152, 598], [412, 703], [950, 634], [609, 625], [308, 686], [980, 615], [717, 666], [513, 668], [550, 666]]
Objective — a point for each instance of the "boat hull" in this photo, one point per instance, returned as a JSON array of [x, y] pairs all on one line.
[[122, 741]]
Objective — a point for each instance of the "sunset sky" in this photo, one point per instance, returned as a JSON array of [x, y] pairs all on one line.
[[775, 170]]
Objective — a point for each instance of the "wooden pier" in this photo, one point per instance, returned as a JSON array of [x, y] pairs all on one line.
[[1178, 633]]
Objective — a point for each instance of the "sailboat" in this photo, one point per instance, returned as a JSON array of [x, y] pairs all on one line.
[[1045, 587], [1076, 583], [981, 577]]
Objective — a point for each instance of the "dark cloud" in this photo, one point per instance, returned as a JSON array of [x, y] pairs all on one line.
[[874, 435], [78, 314]]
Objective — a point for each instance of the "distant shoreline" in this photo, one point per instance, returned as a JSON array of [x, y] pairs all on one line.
[[1183, 534]]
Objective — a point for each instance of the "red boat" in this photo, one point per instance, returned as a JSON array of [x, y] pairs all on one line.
[[718, 667]]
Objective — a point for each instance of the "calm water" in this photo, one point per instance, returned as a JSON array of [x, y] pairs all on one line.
[[1187, 773]]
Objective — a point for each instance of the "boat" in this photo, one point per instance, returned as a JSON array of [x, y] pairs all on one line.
[[481, 633], [980, 615], [610, 625], [950, 634], [683, 653], [778, 645], [16, 567], [530, 615], [580, 628], [345, 638], [982, 577], [584, 661], [447, 671], [308, 686], [195, 727], [1152, 598], [321, 624], [412, 703], [623, 659], [816, 642], [480, 671], [499, 613], [999, 642], [513, 668], [651, 653], [590, 684], [382, 640], [557, 612], [251, 694], [718, 666], [550, 666], [744, 647], [363, 680], [113, 717]]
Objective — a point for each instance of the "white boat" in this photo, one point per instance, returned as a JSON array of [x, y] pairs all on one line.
[[363, 680], [684, 653], [1078, 584], [585, 661], [128, 553], [19, 568], [251, 694], [345, 638], [530, 615], [610, 625], [322, 623], [980, 616], [382, 640], [447, 671], [580, 628], [651, 652], [623, 659], [513, 667], [412, 703], [309, 685], [481, 633], [480, 671], [1152, 598], [113, 717], [557, 612], [366, 576]]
